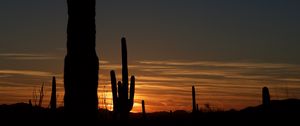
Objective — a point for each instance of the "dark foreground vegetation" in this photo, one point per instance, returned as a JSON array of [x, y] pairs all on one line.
[[283, 112]]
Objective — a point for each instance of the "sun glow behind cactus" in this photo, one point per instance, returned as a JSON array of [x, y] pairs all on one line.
[[166, 85], [203, 43]]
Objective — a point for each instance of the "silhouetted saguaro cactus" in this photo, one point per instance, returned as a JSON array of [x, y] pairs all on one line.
[[194, 99], [81, 62], [265, 97], [53, 95], [143, 109], [122, 105]]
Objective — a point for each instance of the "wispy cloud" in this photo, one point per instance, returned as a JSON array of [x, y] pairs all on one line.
[[27, 56], [161, 79], [216, 69], [25, 72], [103, 62], [291, 79], [219, 64], [168, 83], [4, 76], [220, 83]]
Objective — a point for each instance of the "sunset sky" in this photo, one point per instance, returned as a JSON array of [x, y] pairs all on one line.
[[228, 49]]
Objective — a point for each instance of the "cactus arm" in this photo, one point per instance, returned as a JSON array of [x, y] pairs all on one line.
[[114, 89], [132, 89], [120, 91]]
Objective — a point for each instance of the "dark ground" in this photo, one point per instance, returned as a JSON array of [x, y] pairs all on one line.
[[284, 112]]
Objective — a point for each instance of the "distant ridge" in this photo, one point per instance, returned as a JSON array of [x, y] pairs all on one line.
[[286, 105]]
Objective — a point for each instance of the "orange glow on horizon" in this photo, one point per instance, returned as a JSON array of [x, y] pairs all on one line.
[[166, 85]]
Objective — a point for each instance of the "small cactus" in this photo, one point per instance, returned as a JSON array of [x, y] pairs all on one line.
[[265, 97], [121, 104], [53, 95], [194, 99], [143, 109]]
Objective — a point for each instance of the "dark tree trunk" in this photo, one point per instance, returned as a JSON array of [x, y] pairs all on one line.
[[81, 61]]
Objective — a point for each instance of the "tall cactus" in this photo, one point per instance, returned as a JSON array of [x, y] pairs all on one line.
[[194, 99], [122, 105], [265, 97], [53, 95], [81, 61]]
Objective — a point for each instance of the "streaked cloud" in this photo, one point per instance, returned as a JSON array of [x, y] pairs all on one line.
[[237, 70], [27, 56], [219, 64], [4, 76], [166, 85], [221, 84], [102, 62], [25, 72]]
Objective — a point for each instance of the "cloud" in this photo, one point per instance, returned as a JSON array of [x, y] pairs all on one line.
[[4, 76], [168, 83], [222, 69], [219, 64], [291, 79], [102, 62], [161, 79], [26, 72], [27, 56]]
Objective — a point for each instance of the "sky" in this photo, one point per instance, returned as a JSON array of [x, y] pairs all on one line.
[[228, 49]]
